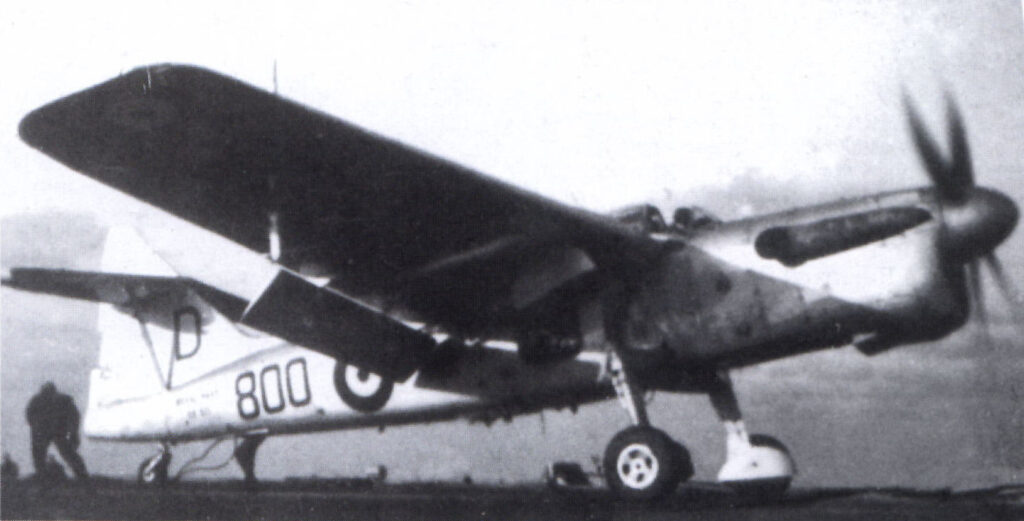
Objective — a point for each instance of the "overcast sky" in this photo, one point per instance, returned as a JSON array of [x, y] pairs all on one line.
[[599, 104], [735, 105]]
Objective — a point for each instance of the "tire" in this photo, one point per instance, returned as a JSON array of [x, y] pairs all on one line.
[[644, 464], [151, 474], [360, 389], [685, 467]]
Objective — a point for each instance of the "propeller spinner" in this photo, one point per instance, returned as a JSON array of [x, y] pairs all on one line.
[[974, 220]]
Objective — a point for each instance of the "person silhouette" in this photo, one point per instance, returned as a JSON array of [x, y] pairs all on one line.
[[8, 469], [53, 417]]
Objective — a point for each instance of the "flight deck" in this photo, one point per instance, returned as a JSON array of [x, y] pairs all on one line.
[[107, 498]]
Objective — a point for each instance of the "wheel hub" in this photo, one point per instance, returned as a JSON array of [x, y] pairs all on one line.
[[637, 466]]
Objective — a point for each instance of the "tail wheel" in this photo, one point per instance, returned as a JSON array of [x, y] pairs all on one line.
[[153, 471], [643, 463]]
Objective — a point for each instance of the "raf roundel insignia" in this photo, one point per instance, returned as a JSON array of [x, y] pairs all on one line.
[[361, 389]]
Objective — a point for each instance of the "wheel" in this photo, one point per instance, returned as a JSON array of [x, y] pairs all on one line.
[[643, 463], [765, 473], [685, 463], [153, 471]]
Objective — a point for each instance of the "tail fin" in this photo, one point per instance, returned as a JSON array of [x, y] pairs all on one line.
[[129, 361], [161, 338]]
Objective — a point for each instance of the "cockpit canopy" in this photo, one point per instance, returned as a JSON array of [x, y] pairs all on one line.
[[645, 218], [692, 218]]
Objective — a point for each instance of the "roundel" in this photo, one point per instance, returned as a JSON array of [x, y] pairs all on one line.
[[361, 389]]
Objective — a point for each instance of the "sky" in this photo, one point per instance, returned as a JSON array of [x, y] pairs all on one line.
[[737, 106], [568, 100]]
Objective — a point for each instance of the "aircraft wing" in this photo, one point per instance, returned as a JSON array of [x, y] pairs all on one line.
[[291, 308], [390, 225]]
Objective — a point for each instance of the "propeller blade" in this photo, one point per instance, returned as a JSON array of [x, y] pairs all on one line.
[[1009, 291], [1006, 287], [1001, 280], [961, 169], [935, 164], [979, 314]]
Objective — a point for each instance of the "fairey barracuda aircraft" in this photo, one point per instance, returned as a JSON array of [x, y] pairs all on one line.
[[345, 280]]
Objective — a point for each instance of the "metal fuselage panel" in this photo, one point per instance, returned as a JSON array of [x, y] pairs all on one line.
[[711, 303], [289, 389], [717, 301]]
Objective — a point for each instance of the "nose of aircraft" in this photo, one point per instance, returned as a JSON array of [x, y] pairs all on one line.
[[975, 227]]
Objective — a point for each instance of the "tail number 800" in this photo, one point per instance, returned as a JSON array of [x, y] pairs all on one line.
[[271, 393]]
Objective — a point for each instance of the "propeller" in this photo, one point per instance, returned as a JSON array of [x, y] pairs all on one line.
[[953, 178], [1006, 287], [976, 297], [973, 220]]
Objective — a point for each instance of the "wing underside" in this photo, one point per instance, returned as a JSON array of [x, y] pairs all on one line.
[[388, 224]]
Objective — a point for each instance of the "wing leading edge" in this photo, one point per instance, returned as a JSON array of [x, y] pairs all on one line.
[[367, 211]]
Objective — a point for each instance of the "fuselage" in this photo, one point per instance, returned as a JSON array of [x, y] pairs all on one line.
[[717, 301], [712, 301], [288, 389]]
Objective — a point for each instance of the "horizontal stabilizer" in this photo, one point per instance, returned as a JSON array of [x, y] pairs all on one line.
[[131, 291], [291, 308]]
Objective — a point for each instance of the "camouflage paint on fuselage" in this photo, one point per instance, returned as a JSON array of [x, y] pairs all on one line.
[[716, 301], [711, 302]]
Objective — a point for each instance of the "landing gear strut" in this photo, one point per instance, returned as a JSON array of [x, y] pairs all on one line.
[[153, 470], [755, 464], [641, 462], [245, 454]]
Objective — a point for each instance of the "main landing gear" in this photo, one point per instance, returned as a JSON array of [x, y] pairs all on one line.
[[643, 463], [245, 455], [756, 464]]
